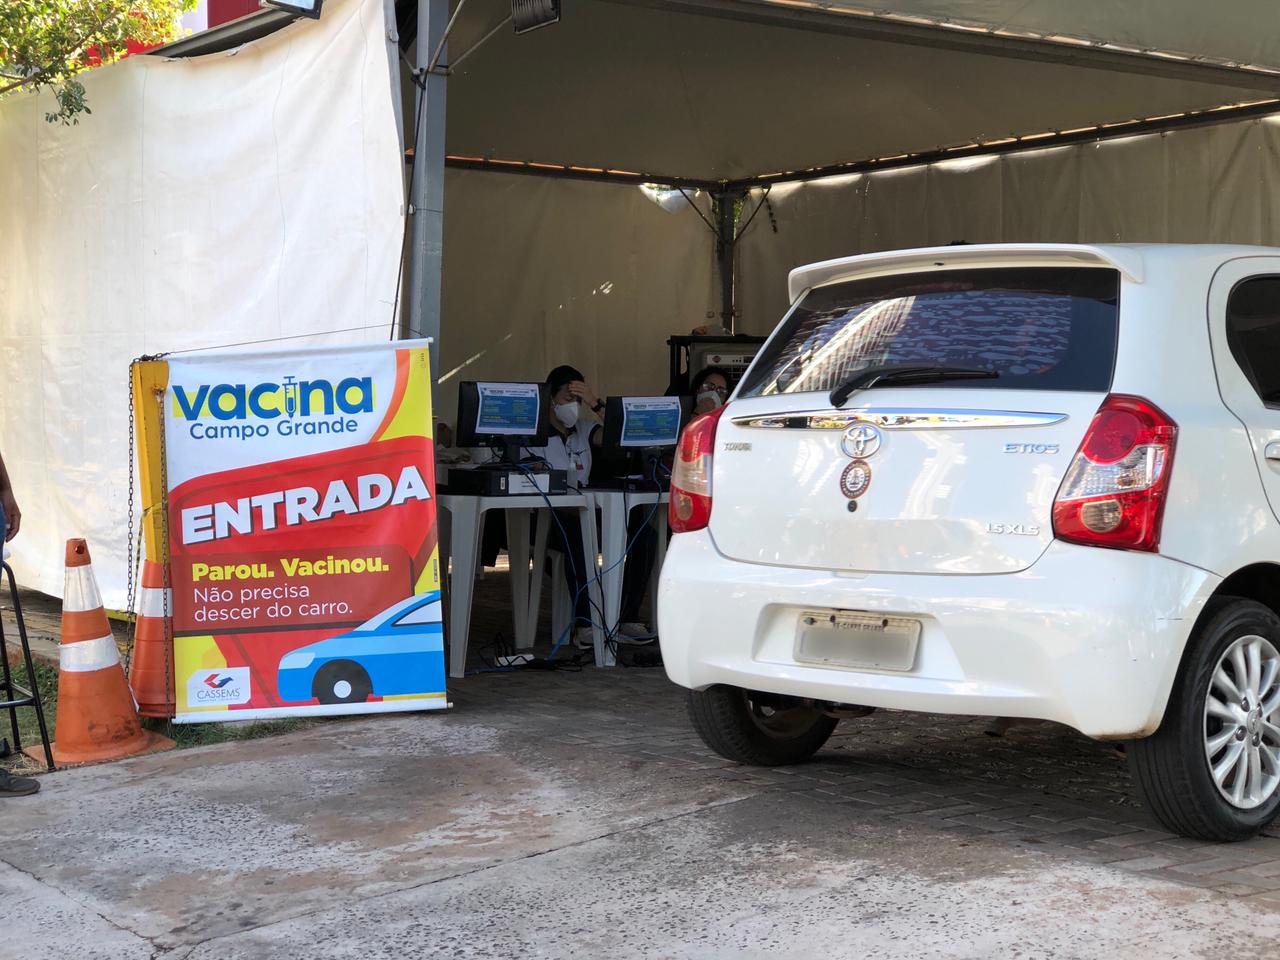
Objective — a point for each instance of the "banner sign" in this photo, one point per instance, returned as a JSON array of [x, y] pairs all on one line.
[[302, 533]]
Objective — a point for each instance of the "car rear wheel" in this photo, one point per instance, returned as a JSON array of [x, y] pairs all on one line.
[[342, 681], [1212, 770], [763, 729]]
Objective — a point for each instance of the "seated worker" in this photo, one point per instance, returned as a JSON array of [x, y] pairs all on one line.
[[709, 388], [575, 425], [575, 431]]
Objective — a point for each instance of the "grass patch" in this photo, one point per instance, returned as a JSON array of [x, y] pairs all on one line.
[[203, 734], [183, 734], [47, 680]]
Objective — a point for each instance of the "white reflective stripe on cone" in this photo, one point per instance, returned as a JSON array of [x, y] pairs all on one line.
[[80, 591], [155, 602], [85, 656]]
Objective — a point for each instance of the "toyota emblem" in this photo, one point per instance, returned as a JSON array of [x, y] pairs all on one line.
[[861, 440]]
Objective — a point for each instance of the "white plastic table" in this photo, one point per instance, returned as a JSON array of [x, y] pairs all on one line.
[[460, 520], [615, 507]]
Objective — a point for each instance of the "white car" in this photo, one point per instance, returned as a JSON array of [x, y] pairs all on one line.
[[1034, 481]]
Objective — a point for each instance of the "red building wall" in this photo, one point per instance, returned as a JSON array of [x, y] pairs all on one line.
[[221, 11]]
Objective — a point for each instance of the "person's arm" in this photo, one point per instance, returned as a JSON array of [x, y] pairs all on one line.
[[13, 516], [594, 408]]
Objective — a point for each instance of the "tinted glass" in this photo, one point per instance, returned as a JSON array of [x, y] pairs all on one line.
[[1253, 333], [1051, 328]]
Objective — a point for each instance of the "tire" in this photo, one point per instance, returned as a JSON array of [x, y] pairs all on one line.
[[765, 730], [1173, 767], [342, 681]]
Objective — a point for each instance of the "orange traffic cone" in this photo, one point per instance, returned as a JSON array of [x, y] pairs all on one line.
[[151, 669], [97, 718]]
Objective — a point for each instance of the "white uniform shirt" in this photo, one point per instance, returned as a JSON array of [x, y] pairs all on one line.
[[570, 453]]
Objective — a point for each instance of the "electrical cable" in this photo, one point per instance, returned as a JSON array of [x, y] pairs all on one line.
[[613, 640], [420, 81], [564, 534], [421, 84], [611, 632]]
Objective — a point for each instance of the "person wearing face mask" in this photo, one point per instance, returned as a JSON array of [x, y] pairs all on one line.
[[575, 425], [710, 389], [575, 432]]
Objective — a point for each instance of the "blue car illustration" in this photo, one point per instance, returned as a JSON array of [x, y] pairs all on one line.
[[398, 652]]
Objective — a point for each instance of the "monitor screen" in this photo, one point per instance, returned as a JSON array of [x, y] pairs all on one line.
[[507, 409], [509, 414], [650, 421]]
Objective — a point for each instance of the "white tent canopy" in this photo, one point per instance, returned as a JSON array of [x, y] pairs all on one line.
[[1239, 32], [732, 89]]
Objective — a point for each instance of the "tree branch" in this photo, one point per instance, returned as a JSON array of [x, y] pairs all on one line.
[[82, 45]]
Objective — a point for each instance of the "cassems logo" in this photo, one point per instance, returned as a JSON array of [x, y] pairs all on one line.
[[268, 401], [218, 688]]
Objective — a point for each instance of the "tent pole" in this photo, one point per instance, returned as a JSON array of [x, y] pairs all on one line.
[[427, 196], [726, 206]]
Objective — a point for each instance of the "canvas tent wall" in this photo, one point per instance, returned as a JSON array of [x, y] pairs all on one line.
[[1212, 184], [539, 271]]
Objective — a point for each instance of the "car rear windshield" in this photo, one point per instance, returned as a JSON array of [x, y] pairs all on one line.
[[1038, 328]]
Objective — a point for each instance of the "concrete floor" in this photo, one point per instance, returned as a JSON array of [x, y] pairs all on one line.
[[574, 815]]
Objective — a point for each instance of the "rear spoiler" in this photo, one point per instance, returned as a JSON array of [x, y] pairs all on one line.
[[1125, 259]]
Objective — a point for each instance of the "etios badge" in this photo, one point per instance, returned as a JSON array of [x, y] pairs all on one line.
[[861, 440], [856, 479]]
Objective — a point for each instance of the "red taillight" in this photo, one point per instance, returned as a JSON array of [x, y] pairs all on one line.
[[690, 507], [1113, 494]]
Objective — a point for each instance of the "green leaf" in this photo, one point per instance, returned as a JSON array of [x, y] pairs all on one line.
[[45, 43]]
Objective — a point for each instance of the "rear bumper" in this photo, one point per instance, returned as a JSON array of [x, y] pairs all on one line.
[[1087, 637]]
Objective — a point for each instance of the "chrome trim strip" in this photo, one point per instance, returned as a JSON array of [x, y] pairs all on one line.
[[901, 418]]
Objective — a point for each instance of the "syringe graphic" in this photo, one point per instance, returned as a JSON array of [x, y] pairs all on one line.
[[290, 396]]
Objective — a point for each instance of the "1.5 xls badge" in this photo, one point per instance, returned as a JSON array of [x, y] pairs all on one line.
[[855, 479]]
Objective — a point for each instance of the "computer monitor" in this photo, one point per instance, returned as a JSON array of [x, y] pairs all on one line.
[[644, 423], [507, 415]]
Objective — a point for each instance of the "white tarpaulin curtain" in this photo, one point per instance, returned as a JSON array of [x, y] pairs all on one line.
[[237, 197], [539, 272], [1216, 184]]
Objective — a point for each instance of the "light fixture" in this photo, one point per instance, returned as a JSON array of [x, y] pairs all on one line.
[[304, 8], [529, 15]]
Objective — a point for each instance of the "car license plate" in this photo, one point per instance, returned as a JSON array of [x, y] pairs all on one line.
[[868, 641]]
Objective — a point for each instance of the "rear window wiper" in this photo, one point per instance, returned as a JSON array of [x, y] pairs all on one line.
[[903, 374]]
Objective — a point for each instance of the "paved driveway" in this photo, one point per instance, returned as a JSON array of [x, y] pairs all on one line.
[[575, 815]]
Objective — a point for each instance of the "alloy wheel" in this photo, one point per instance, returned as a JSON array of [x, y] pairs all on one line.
[[1241, 735]]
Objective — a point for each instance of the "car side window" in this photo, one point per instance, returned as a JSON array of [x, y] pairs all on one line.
[[427, 613], [1253, 334]]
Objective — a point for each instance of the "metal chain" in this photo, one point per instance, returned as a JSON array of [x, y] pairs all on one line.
[[131, 617], [135, 539], [163, 559]]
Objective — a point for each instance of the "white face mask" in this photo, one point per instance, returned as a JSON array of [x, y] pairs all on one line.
[[710, 394], [567, 413]]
